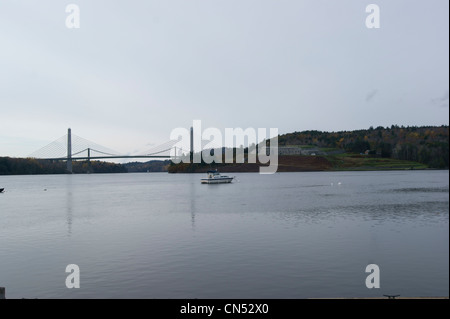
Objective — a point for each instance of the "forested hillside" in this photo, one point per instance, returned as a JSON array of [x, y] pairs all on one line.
[[26, 166], [427, 144], [150, 166]]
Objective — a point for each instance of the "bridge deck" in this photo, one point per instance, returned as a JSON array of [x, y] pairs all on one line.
[[106, 157]]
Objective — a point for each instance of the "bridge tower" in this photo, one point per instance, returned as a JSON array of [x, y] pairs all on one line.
[[69, 151], [89, 161], [192, 145]]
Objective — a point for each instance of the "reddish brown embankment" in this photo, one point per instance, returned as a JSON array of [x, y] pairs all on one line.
[[285, 164]]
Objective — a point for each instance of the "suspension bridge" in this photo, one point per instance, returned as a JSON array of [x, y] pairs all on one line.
[[71, 147]]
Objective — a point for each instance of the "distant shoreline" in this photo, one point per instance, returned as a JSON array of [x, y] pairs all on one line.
[[286, 164]]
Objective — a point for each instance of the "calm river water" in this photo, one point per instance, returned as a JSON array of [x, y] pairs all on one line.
[[288, 235]]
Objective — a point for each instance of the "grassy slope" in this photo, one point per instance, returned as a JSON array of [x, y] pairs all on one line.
[[361, 162]]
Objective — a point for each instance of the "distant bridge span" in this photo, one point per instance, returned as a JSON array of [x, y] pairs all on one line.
[[61, 150], [86, 158]]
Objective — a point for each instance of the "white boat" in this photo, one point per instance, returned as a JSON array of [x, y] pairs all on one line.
[[214, 177]]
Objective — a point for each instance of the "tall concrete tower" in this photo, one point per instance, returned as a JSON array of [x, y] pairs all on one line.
[[192, 141], [69, 151]]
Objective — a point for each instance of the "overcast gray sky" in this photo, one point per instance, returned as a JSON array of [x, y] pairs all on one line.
[[137, 69]]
